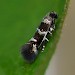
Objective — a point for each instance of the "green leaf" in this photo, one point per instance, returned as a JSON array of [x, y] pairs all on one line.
[[18, 22]]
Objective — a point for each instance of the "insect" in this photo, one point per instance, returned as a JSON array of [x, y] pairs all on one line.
[[30, 50]]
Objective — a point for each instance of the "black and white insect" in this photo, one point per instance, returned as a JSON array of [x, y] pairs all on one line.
[[30, 50]]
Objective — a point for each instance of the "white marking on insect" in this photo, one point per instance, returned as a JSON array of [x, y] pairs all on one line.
[[40, 32], [34, 49], [43, 46], [47, 21], [49, 32], [43, 49], [32, 39], [51, 29]]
